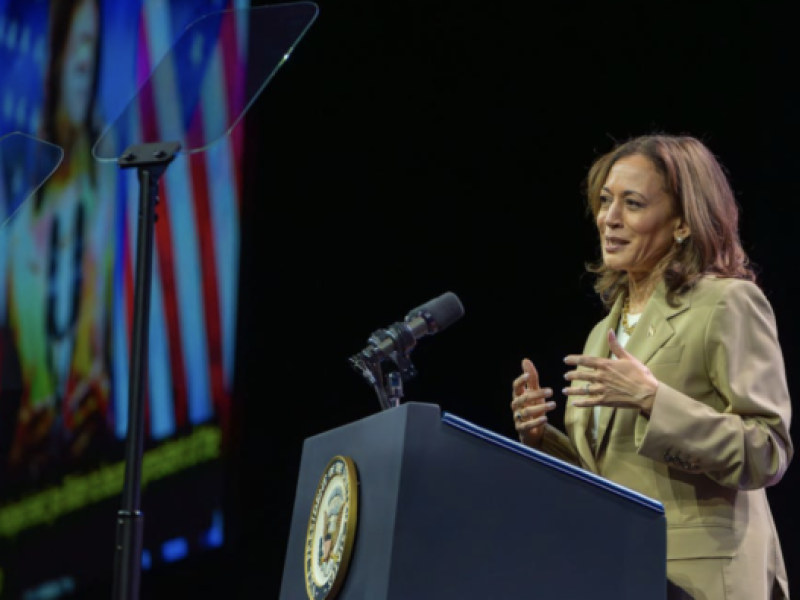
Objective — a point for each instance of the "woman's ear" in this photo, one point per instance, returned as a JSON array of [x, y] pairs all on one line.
[[682, 230]]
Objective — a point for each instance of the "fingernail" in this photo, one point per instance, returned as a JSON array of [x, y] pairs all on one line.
[[551, 404], [525, 376], [564, 391], [548, 392], [566, 376]]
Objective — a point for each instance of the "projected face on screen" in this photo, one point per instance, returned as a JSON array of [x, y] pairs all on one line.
[[79, 60]]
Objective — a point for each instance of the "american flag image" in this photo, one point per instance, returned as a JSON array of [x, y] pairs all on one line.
[[191, 91]]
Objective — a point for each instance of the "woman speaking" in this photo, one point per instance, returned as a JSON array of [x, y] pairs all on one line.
[[680, 392]]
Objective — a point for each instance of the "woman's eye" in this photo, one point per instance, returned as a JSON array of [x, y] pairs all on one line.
[[605, 200], [634, 204]]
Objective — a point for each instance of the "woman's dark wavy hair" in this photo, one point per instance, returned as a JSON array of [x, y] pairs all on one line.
[[697, 184]]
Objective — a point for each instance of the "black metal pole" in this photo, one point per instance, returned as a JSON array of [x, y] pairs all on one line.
[[151, 161]]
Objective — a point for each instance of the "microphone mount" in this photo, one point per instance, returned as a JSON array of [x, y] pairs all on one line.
[[370, 363]]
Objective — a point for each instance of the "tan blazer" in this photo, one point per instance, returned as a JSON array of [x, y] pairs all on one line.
[[717, 436]]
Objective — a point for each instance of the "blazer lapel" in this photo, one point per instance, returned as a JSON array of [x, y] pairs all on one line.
[[596, 345], [652, 331]]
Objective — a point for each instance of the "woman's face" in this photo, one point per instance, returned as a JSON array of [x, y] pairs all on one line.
[[637, 220], [79, 61]]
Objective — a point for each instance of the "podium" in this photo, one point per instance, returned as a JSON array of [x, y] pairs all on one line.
[[447, 510]]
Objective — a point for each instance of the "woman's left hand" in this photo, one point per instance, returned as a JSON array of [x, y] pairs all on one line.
[[622, 383]]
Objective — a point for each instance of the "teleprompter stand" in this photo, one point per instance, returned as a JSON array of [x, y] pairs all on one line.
[[197, 103], [151, 160]]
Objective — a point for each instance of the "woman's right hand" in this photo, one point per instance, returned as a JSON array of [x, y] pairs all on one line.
[[529, 406]]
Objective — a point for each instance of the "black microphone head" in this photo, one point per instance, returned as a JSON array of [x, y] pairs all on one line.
[[440, 312]]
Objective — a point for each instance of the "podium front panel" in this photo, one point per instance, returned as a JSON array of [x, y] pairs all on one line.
[[448, 510]]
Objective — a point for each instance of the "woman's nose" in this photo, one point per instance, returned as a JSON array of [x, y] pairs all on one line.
[[614, 214]]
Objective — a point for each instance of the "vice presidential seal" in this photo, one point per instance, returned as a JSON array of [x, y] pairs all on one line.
[[331, 529]]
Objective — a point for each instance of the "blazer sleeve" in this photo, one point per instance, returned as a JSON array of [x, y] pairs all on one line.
[[747, 445], [555, 443]]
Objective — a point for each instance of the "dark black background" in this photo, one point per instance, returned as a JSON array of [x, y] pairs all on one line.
[[409, 149]]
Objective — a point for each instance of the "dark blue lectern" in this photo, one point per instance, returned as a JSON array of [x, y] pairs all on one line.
[[448, 510]]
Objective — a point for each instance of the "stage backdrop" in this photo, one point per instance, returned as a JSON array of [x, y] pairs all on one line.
[[66, 296]]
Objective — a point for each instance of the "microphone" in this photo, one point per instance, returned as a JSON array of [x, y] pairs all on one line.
[[397, 341], [432, 317]]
